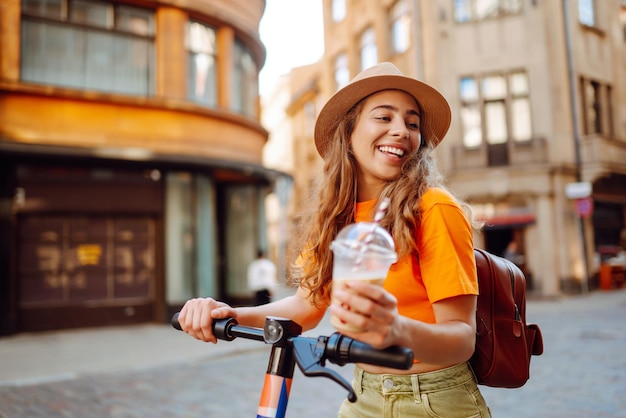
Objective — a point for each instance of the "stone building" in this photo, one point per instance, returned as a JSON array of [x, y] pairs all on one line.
[[538, 96], [131, 174]]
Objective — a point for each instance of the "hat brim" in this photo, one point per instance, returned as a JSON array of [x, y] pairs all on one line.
[[433, 105]]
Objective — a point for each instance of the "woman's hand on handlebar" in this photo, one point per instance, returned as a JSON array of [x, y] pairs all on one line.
[[196, 317]]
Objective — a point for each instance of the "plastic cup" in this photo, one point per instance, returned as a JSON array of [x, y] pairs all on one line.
[[362, 251]]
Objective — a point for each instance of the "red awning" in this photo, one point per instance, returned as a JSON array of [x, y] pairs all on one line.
[[509, 219]]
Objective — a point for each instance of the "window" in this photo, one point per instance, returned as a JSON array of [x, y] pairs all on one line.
[[586, 12], [339, 10], [476, 10], [400, 27], [56, 9], [79, 259], [309, 118], [594, 108], [91, 45], [342, 73], [597, 115], [91, 13], [135, 21], [462, 11], [520, 107], [494, 94], [369, 52], [470, 112], [202, 77], [245, 82], [495, 109]]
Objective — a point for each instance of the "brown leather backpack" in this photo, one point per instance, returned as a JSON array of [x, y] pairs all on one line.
[[504, 342]]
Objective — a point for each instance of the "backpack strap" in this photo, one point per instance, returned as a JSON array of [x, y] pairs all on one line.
[[518, 316]]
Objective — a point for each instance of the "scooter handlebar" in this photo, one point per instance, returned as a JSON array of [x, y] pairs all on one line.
[[341, 350], [337, 348]]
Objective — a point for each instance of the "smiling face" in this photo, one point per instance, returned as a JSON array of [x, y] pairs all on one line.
[[386, 134]]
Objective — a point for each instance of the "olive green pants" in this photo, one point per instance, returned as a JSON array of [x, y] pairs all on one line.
[[449, 393]]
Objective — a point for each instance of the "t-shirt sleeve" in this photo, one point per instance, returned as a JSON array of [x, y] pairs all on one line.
[[446, 251]]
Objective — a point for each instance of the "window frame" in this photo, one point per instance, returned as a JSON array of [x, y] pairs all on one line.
[[338, 10], [400, 27], [597, 107], [468, 11], [475, 104], [245, 81], [201, 53], [368, 48], [587, 13], [48, 58], [519, 97], [470, 111], [341, 73]]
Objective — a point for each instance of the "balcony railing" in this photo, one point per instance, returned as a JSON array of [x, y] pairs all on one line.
[[600, 154], [511, 153]]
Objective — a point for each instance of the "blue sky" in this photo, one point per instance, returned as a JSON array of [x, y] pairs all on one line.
[[293, 34]]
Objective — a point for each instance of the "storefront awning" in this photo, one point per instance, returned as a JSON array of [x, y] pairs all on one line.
[[515, 217], [233, 170]]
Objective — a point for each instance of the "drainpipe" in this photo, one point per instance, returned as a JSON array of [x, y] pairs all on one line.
[[417, 40], [575, 123]]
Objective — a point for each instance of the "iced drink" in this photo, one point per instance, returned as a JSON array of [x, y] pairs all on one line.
[[362, 251]]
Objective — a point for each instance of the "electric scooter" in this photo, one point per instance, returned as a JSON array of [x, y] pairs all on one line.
[[289, 348]]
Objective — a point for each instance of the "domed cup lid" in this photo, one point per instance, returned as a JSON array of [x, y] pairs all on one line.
[[365, 239]]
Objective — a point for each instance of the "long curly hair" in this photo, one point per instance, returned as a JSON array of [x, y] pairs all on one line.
[[336, 194]]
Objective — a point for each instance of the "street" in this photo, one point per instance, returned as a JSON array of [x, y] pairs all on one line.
[[582, 373]]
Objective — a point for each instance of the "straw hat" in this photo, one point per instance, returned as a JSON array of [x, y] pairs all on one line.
[[383, 76]]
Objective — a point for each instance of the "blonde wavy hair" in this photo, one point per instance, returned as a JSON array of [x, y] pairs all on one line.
[[336, 200]]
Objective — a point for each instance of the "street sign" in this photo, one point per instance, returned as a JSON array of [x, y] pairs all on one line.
[[578, 190], [584, 207]]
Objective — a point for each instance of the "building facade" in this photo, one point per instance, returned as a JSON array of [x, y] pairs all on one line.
[[538, 97], [131, 175], [289, 116]]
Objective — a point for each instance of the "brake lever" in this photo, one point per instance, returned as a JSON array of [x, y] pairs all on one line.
[[309, 355]]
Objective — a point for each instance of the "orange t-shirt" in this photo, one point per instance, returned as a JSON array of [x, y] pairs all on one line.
[[446, 265]]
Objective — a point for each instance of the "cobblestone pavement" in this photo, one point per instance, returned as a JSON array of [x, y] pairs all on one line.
[[582, 373]]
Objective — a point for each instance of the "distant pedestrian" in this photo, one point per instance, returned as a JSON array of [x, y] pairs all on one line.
[[511, 253], [262, 278]]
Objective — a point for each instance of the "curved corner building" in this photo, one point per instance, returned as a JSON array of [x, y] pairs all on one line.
[[130, 158]]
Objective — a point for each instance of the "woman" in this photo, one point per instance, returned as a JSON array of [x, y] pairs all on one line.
[[376, 136]]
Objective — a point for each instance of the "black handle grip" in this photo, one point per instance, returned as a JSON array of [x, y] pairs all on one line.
[[175, 322], [227, 329], [341, 350]]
